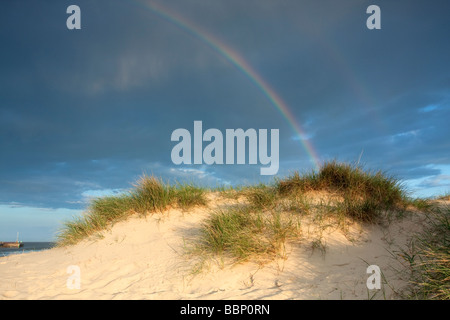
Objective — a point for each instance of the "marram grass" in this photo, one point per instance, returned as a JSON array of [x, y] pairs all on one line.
[[365, 194], [243, 233], [271, 215], [149, 195], [431, 263]]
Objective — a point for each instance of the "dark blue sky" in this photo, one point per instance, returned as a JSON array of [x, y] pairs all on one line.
[[85, 112]]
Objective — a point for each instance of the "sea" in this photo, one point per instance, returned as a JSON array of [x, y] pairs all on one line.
[[27, 247]]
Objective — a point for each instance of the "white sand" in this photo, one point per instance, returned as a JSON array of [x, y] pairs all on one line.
[[144, 258]]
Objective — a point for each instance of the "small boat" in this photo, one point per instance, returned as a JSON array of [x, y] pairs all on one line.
[[11, 244], [16, 244]]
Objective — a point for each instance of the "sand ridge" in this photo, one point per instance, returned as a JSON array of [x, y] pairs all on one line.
[[145, 258]]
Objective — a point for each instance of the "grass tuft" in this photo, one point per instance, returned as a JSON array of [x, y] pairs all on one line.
[[431, 265], [261, 196], [365, 194], [149, 195], [243, 233], [189, 195]]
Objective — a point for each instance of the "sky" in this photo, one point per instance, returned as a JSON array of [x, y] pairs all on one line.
[[85, 112]]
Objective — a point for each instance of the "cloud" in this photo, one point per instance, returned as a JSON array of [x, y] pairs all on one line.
[[305, 136], [442, 180], [201, 176], [407, 136], [429, 108], [97, 193]]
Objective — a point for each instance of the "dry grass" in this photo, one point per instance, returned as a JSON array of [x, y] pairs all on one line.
[[430, 257]]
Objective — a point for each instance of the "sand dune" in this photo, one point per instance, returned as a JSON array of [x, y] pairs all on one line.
[[145, 258]]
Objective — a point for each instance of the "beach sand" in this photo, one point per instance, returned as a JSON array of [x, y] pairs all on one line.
[[145, 258]]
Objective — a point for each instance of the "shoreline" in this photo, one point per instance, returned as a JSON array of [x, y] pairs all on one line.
[[29, 246]]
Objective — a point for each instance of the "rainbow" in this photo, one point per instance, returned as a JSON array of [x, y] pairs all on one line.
[[235, 59]]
